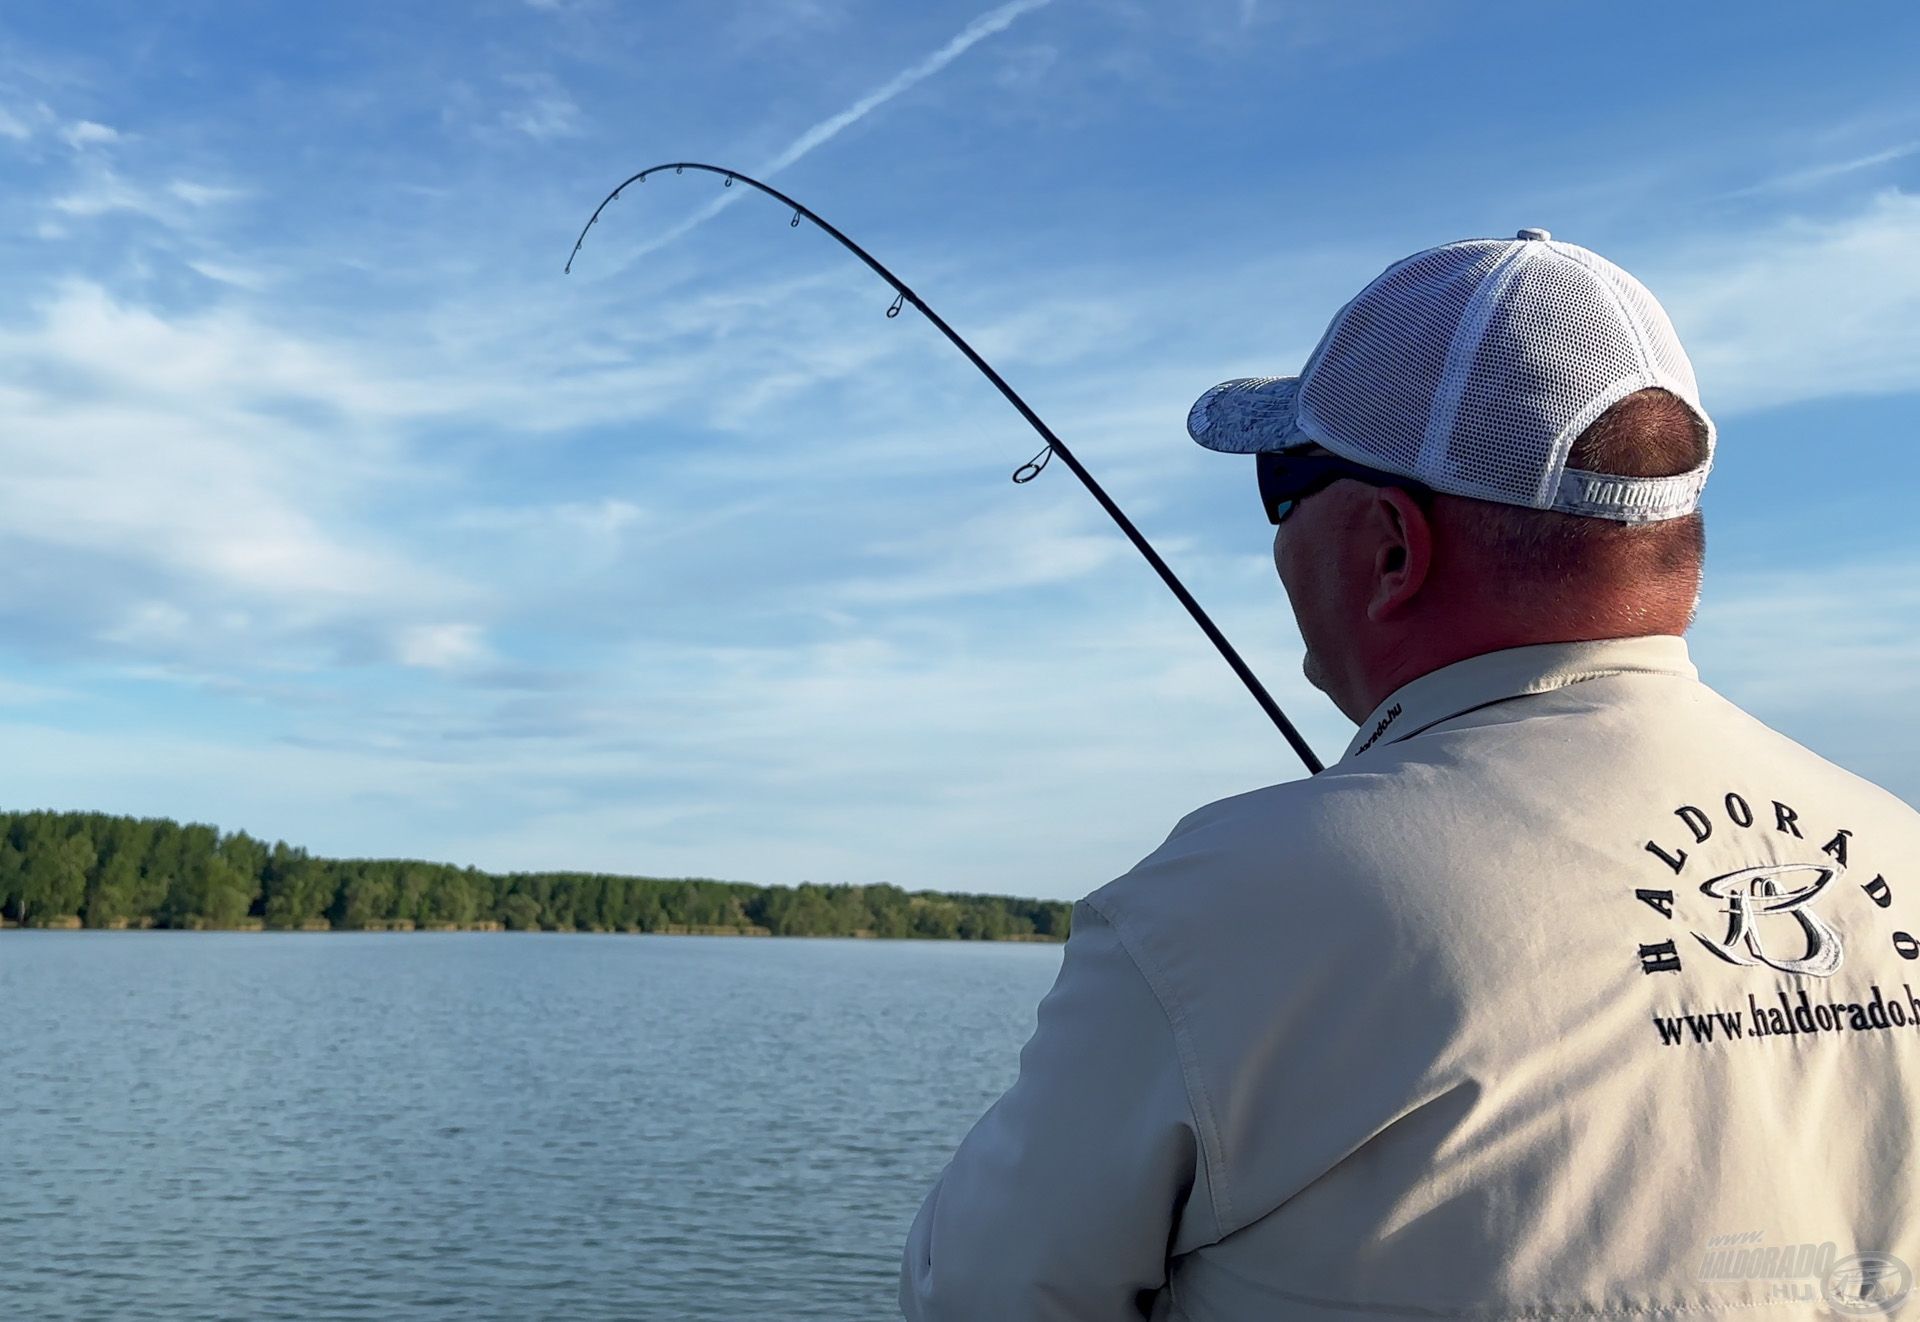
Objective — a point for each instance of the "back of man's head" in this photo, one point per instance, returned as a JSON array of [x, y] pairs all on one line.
[[1524, 452], [1596, 576]]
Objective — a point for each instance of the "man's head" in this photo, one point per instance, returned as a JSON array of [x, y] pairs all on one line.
[[1496, 444]]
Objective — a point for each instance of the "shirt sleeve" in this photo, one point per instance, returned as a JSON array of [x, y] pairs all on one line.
[[1071, 1193]]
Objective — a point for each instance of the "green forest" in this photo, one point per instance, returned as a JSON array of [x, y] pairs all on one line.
[[95, 870]]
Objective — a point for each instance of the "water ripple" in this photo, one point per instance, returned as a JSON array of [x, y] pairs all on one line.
[[266, 1126]]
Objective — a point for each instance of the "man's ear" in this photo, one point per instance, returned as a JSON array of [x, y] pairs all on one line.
[[1403, 552]]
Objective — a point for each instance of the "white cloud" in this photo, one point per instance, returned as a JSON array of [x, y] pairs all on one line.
[[150, 624], [754, 24], [1032, 540], [13, 693], [85, 133], [441, 646], [1028, 68], [106, 192], [1802, 309], [223, 500], [227, 273], [1044, 760], [548, 112], [152, 474], [604, 518], [545, 117], [102, 191], [204, 195], [14, 127], [344, 803], [1783, 636], [1057, 331], [1829, 656], [219, 354]]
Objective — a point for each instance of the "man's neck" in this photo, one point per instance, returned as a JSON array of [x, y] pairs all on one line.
[[1415, 656]]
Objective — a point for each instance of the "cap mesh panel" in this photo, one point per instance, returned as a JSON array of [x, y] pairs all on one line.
[[1556, 344], [1567, 334], [1670, 361], [1374, 378]]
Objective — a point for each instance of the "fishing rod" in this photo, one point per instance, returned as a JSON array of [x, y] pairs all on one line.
[[1027, 471]]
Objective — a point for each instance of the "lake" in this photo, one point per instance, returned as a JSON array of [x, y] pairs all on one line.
[[454, 1126]]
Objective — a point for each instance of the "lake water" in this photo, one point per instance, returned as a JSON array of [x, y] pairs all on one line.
[[502, 1126]]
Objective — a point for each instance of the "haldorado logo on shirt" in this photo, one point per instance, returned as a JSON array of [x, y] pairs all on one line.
[[1769, 915]]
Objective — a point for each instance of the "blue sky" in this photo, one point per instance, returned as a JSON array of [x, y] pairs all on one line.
[[335, 512]]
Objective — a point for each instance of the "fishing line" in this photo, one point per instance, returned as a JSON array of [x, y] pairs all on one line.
[[1027, 471]]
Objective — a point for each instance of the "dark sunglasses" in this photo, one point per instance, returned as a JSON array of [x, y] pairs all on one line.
[[1288, 477]]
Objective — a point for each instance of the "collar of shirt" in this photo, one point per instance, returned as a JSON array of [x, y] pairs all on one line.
[[1515, 672]]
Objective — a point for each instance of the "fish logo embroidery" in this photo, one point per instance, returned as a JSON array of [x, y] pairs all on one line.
[[1753, 894]]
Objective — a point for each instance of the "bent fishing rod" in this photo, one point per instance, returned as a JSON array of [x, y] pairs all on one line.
[[1027, 471]]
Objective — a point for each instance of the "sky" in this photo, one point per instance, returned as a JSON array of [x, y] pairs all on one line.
[[333, 511]]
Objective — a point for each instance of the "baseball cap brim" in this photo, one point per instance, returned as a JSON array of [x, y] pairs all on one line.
[[1249, 416]]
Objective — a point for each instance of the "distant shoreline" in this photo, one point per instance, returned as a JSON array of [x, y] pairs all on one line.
[[447, 929], [62, 870]]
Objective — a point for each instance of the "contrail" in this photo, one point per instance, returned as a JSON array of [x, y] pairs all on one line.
[[979, 30], [989, 23], [1802, 178]]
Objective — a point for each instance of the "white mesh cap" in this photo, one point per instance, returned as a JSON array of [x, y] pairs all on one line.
[[1472, 368]]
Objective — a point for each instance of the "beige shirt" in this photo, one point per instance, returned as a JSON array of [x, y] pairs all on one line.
[[1571, 991]]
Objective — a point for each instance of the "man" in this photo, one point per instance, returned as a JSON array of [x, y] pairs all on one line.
[[1571, 990]]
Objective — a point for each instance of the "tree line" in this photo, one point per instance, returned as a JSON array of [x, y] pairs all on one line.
[[95, 870]]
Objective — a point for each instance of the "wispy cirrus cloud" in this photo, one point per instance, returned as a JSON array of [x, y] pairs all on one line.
[[252, 279], [176, 204], [442, 646], [1860, 620], [85, 133], [546, 112], [1742, 304], [1012, 547], [204, 195], [1795, 180]]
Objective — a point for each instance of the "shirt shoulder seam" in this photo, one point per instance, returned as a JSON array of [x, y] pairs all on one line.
[[1199, 1102]]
